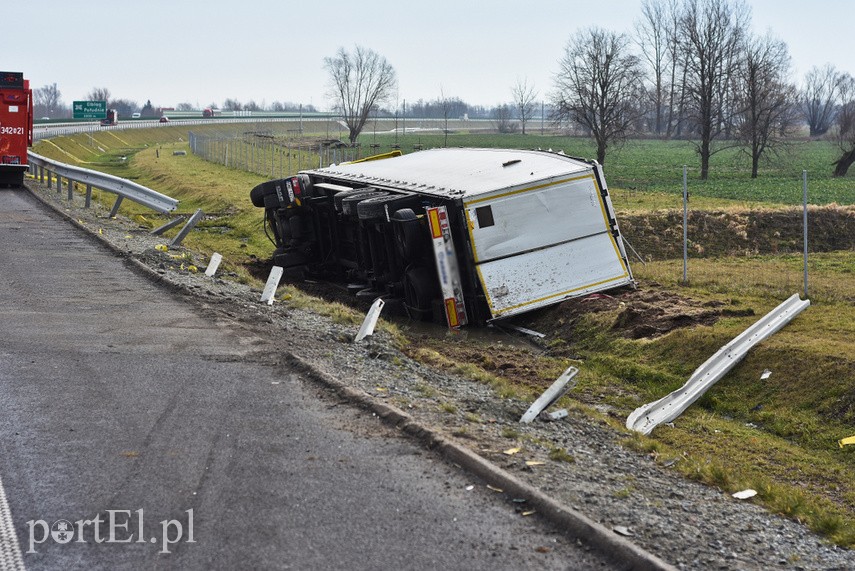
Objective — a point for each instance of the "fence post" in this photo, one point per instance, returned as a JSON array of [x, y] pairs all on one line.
[[685, 228], [805, 227]]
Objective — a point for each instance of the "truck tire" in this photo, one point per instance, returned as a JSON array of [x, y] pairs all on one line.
[[271, 201], [348, 204], [338, 198], [420, 289], [375, 209], [260, 193], [411, 237]]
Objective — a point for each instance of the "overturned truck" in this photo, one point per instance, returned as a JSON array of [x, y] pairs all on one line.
[[473, 235]]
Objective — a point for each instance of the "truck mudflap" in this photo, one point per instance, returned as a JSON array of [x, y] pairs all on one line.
[[446, 267]]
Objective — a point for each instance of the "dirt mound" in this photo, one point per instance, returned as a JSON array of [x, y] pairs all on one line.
[[641, 313]]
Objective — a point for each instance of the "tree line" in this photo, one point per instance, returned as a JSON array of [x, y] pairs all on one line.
[[690, 69]]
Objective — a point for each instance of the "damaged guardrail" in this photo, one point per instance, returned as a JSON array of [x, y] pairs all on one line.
[[41, 168], [644, 419]]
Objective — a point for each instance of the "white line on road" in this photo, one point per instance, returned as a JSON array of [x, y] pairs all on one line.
[[10, 551]]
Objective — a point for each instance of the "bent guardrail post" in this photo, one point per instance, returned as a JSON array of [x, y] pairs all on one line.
[[119, 186], [186, 229], [116, 205], [645, 418], [169, 225]]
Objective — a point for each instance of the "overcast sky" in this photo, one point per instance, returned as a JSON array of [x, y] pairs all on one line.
[[203, 52]]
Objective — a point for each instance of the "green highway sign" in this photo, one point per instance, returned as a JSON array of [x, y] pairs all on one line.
[[90, 110]]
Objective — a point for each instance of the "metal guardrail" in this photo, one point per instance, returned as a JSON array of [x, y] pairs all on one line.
[[42, 168], [645, 418]]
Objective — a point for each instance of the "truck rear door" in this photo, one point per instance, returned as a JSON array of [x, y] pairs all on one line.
[[538, 245]]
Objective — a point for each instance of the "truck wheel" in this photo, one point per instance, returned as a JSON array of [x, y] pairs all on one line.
[[259, 195], [410, 236], [338, 198], [420, 289], [348, 204], [372, 209], [271, 201]]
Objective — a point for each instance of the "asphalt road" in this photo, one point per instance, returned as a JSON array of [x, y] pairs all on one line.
[[119, 400]]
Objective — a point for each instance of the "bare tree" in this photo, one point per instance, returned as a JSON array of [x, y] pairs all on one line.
[[359, 81], [524, 100], [819, 97], [502, 116], [598, 86], [124, 107], [652, 34], [766, 99], [47, 101], [712, 33], [845, 124], [99, 94]]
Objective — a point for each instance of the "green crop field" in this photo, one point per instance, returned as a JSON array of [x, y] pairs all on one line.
[[778, 435]]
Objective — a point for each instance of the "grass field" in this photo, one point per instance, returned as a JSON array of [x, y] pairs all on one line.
[[657, 166], [777, 436]]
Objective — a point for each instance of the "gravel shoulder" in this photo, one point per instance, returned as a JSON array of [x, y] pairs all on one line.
[[687, 524]]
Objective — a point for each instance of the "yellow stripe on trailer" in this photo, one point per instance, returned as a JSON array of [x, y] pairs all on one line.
[[435, 228]]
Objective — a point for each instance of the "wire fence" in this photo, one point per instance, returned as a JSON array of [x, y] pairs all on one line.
[[269, 154], [770, 252]]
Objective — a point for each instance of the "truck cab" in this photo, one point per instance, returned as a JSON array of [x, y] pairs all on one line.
[[16, 127]]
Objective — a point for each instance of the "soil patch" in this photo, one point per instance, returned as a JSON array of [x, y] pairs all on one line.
[[641, 313]]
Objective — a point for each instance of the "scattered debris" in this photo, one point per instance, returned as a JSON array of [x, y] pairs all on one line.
[[551, 395], [216, 258], [745, 494], [534, 463], [766, 374], [555, 415], [525, 331], [495, 489], [511, 451], [469, 488], [529, 512], [370, 320], [271, 285], [623, 530], [843, 442]]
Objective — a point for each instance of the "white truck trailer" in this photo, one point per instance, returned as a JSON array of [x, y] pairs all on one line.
[[471, 234]]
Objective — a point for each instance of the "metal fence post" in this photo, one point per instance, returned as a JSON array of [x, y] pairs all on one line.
[[805, 226], [685, 227]]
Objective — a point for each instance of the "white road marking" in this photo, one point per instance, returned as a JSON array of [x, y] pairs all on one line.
[[10, 550]]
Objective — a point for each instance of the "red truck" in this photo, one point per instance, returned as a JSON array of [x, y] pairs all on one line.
[[112, 118], [16, 127]]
